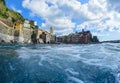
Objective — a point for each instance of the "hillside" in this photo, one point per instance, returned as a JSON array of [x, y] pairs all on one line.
[[5, 12]]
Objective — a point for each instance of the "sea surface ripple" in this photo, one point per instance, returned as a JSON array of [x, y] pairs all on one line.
[[62, 63]]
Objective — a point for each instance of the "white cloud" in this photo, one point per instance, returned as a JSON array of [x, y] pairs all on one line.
[[99, 15], [53, 15], [100, 35], [19, 11]]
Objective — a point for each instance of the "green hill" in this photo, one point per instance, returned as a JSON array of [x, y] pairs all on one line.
[[2, 1], [5, 12]]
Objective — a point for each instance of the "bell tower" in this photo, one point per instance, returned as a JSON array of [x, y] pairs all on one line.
[[51, 31]]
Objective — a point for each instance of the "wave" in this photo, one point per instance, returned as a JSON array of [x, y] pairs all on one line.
[[66, 58]]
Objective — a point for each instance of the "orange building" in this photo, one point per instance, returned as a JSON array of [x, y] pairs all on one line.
[[18, 25], [18, 29]]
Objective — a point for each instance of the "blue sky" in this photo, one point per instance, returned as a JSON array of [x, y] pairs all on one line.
[[101, 17]]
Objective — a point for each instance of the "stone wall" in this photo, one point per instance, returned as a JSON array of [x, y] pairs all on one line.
[[39, 33], [48, 37], [27, 35], [5, 32], [3, 28]]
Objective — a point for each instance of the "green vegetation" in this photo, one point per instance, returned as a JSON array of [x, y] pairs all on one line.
[[32, 24], [3, 9], [2, 1], [15, 15], [36, 27], [6, 12]]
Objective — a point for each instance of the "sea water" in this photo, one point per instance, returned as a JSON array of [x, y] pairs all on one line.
[[62, 63]]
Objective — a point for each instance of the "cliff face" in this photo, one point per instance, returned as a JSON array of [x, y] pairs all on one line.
[[5, 32]]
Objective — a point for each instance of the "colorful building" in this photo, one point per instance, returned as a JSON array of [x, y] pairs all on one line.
[[26, 24], [18, 31], [83, 37]]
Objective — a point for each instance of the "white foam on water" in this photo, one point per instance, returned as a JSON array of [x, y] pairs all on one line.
[[117, 77], [108, 61], [27, 53], [102, 57], [74, 80], [71, 71], [11, 67], [40, 63], [23, 53], [40, 54], [96, 55], [42, 58]]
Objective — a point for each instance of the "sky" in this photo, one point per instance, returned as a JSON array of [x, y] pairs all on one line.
[[101, 17]]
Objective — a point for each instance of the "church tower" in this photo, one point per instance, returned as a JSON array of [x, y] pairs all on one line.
[[51, 31]]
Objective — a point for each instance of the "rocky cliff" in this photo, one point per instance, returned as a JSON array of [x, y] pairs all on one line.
[[5, 32]]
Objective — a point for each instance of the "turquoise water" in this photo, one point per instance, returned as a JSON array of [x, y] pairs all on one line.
[[63, 63]]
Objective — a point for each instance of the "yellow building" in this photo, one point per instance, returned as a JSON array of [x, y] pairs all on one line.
[[18, 25], [18, 31]]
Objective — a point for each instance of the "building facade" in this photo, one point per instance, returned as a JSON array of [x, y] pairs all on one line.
[[26, 24], [83, 37], [18, 31], [24, 32]]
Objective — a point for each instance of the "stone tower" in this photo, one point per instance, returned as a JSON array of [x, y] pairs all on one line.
[[51, 31]]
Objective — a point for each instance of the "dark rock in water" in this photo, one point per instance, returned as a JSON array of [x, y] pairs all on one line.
[[33, 37], [11, 41], [95, 39], [15, 42], [2, 41]]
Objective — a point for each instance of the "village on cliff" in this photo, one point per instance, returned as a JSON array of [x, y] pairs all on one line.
[[24, 32], [14, 28], [28, 32]]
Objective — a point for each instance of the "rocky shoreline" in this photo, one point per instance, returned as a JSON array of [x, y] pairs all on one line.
[[10, 39]]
